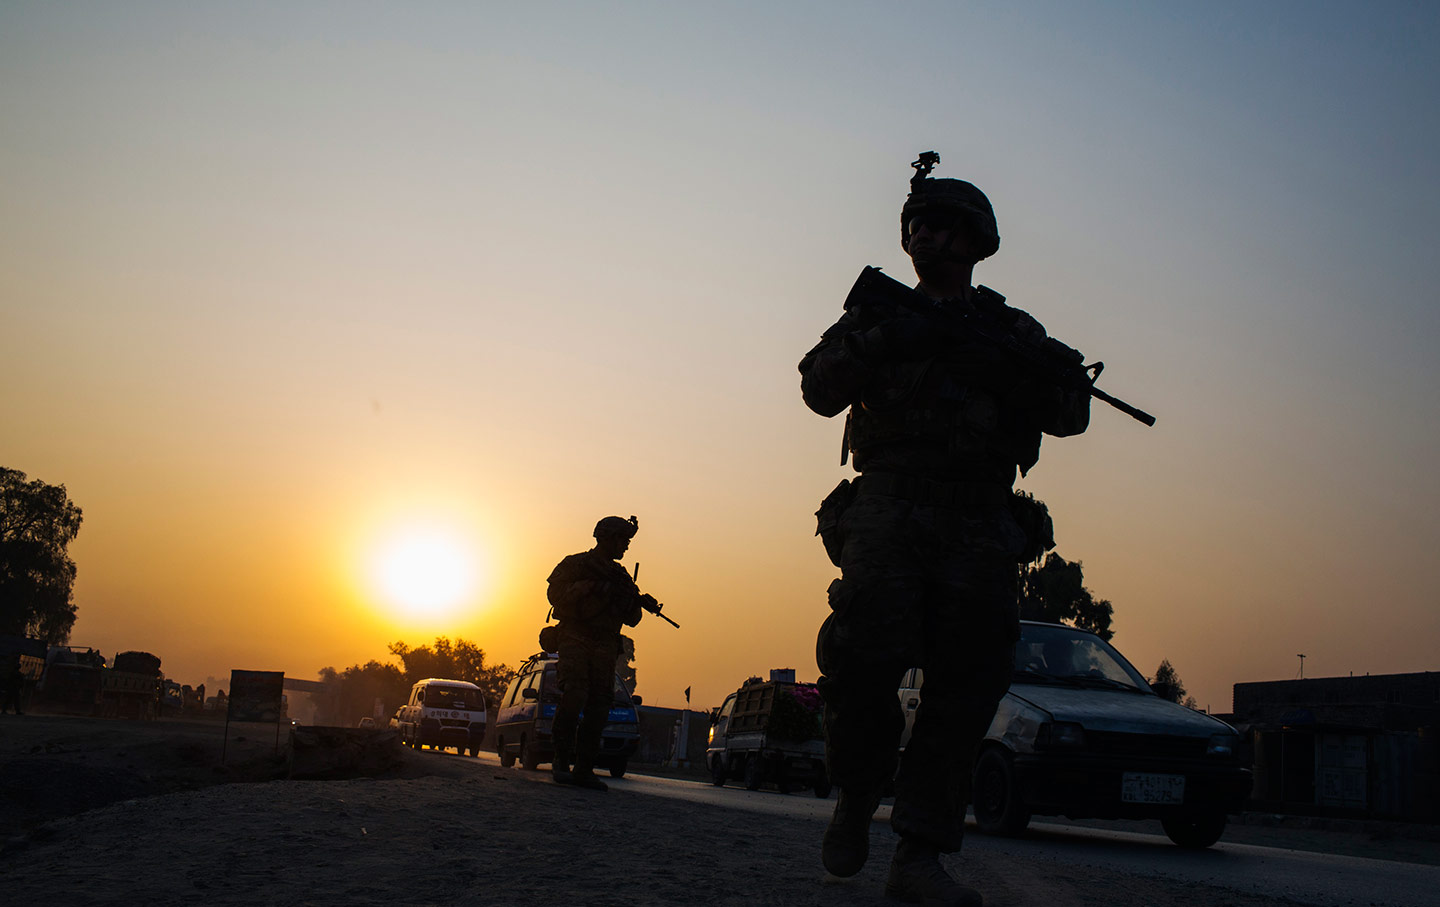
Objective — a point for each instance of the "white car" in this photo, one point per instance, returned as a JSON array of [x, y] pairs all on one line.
[[1082, 734]]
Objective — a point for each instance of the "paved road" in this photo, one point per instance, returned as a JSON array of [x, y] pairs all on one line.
[[1307, 877]]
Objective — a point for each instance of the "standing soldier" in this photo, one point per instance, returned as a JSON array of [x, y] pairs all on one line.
[[929, 536], [592, 596]]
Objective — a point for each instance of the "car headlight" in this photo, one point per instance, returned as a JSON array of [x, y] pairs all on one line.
[[1061, 734], [1222, 745]]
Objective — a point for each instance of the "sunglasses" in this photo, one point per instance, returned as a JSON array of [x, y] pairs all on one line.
[[934, 220]]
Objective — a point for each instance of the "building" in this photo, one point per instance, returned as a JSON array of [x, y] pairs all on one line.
[[1363, 746]]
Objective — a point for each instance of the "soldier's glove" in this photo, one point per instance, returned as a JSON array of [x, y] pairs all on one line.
[[900, 339], [1040, 399]]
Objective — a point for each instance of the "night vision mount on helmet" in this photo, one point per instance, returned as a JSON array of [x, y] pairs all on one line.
[[614, 525], [963, 201]]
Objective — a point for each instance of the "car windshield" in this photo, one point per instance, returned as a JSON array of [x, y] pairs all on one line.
[[438, 697], [1058, 654]]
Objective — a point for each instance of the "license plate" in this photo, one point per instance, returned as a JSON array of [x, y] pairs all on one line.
[[1146, 787]]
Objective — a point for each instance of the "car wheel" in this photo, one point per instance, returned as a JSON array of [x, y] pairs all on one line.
[[754, 771], [617, 768], [998, 808], [1194, 830], [822, 779], [529, 759], [507, 758], [717, 770]]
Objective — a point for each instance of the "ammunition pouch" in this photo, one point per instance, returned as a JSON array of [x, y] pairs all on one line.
[[1034, 520], [828, 518]]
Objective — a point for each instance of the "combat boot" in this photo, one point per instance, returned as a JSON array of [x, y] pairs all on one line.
[[847, 841], [916, 877], [587, 780], [584, 776], [563, 758]]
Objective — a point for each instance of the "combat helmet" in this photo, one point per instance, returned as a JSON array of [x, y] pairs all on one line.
[[614, 525], [969, 203]]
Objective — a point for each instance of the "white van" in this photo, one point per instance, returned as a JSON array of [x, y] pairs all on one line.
[[443, 713]]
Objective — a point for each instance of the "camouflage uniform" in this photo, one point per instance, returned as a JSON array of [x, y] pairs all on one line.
[[928, 549], [593, 596]]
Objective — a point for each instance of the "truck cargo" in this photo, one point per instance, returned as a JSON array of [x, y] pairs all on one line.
[[770, 731]]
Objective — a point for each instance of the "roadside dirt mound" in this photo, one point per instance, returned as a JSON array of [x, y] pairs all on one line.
[[53, 766]]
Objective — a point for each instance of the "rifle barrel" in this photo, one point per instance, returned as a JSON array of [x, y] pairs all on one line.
[[1131, 411]]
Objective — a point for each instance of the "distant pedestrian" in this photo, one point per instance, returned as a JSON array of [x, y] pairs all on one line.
[[12, 684]]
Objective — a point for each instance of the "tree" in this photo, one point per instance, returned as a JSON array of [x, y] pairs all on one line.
[[1172, 689], [350, 694], [1055, 591], [461, 660], [37, 576]]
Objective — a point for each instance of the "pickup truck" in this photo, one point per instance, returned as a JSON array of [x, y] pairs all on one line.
[[769, 730]]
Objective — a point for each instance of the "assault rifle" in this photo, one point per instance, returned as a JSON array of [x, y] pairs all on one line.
[[649, 603], [873, 286]]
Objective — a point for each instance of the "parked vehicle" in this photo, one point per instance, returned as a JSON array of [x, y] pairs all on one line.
[[77, 681], [1082, 734], [527, 711], [443, 713], [770, 730]]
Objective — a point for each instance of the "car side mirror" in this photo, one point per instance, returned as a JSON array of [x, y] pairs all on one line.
[[529, 693], [1165, 691], [637, 700]]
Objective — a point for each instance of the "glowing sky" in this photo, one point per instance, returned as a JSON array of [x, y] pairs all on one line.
[[278, 281]]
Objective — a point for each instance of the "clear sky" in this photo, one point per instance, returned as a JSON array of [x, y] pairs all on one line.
[[281, 283]]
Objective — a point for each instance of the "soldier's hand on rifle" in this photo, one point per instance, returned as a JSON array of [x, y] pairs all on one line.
[[649, 603], [902, 338], [1040, 398]]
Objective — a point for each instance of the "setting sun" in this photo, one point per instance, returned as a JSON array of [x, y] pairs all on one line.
[[425, 572]]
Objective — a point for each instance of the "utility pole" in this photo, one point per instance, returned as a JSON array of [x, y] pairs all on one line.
[[1302, 666]]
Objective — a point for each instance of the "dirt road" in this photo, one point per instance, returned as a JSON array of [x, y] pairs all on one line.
[[451, 830]]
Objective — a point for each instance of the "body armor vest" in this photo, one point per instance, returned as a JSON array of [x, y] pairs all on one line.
[[950, 412]]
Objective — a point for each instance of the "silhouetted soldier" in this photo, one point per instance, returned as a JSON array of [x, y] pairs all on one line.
[[928, 538], [593, 596]]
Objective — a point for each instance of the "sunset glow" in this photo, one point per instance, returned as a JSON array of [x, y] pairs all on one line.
[[425, 572], [345, 329]]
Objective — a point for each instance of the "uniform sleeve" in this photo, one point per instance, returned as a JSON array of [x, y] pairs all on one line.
[[834, 372], [568, 586], [1066, 409]]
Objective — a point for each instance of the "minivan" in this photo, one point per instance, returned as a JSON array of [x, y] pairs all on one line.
[[527, 710]]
